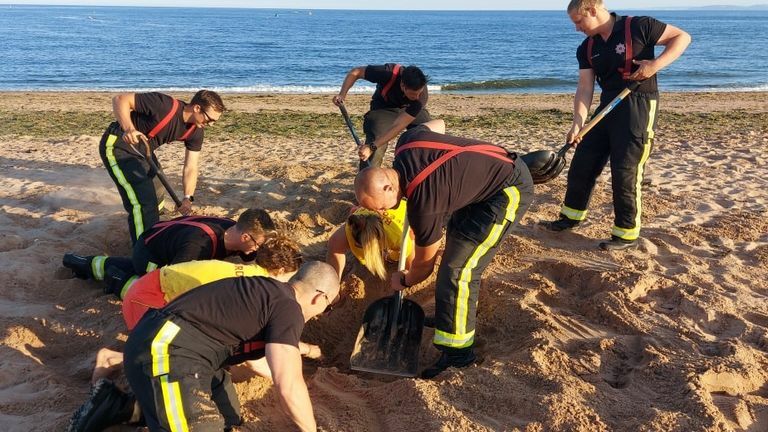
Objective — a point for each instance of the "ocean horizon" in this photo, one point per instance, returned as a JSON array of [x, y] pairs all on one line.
[[112, 48]]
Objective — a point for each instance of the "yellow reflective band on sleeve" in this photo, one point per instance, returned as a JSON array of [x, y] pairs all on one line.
[[174, 408], [150, 266], [97, 267], [160, 361], [573, 214], [138, 221]]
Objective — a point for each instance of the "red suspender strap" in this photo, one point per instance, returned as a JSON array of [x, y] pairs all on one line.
[[590, 43], [385, 90], [164, 122], [188, 133], [453, 150], [189, 221], [253, 346], [628, 51]]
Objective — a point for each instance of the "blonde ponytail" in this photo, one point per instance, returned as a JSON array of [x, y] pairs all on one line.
[[368, 232]]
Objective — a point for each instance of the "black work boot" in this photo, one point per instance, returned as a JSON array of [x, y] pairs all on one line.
[[106, 406], [562, 224], [618, 243], [114, 281], [80, 265], [457, 358]]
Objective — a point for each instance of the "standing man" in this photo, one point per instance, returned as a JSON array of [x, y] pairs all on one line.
[[399, 102], [187, 238], [173, 355], [481, 190], [158, 119], [617, 51]]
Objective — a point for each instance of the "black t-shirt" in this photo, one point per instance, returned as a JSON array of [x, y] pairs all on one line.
[[395, 98], [464, 179], [242, 314], [608, 56], [180, 243], [151, 109]]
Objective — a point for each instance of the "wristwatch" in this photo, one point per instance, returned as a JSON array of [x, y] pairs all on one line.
[[191, 198]]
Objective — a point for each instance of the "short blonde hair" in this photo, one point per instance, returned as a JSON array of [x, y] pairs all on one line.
[[582, 5]]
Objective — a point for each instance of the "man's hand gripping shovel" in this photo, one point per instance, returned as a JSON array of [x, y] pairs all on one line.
[[545, 165], [363, 162], [390, 337]]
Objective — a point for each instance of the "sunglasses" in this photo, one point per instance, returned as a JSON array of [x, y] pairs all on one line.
[[208, 119]]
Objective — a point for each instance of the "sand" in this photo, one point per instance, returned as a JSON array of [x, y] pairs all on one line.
[[672, 336]]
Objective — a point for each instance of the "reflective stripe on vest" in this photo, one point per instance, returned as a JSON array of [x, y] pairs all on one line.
[[453, 150], [388, 86], [626, 71], [189, 221]]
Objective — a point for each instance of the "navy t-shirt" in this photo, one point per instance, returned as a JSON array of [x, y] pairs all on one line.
[[464, 179], [151, 109], [609, 55], [394, 97], [242, 314]]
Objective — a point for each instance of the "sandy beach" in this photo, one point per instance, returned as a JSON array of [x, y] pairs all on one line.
[[672, 336]]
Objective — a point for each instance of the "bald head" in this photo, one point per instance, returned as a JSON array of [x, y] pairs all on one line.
[[316, 275], [377, 188]]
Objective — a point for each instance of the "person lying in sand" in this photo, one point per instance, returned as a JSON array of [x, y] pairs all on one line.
[[278, 258], [372, 237], [179, 240], [225, 322]]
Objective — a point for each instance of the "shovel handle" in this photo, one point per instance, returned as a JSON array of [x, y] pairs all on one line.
[[160, 174], [363, 163], [398, 296], [600, 115]]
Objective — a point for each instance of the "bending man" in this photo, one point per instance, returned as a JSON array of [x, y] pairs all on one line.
[[481, 190]]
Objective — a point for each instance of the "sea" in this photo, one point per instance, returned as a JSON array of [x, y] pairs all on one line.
[[87, 48]]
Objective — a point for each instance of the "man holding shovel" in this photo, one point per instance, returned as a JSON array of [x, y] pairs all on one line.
[[398, 103], [432, 170], [145, 121], [617, 51]]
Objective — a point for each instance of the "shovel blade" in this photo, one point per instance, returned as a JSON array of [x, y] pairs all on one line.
[[387, 347]]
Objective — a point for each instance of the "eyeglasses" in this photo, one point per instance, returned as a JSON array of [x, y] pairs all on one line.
[[208, 119], [329, 303]]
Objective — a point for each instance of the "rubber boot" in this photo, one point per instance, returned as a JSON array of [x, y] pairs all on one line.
[[115, 281], [451, 357], [106, 406]]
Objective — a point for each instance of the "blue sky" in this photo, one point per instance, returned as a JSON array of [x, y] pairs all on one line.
[[398, 4]]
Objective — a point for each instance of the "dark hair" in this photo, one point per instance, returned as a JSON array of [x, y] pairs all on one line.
[[255, 221], [208, 99], [413, 78]]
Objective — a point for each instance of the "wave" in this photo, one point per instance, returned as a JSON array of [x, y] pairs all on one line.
[[504, 84]]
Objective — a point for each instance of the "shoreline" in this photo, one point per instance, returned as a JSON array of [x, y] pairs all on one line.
[[439, 104]]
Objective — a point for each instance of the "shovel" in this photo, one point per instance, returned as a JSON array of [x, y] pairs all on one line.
[[363, 163], [390, 337], [160, 174], [545, 165]]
